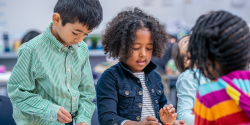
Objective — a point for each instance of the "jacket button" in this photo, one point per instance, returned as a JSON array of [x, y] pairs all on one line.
[[138, 82], [140, 92], [138, 118], [159, 91], [156, 101], [115, 124], [152, 90], [127, 92], [139, 105]]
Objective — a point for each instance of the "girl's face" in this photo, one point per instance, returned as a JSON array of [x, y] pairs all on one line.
[[183, 45], [142, 51]]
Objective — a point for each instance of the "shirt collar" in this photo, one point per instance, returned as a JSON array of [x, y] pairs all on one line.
[[55, 42]]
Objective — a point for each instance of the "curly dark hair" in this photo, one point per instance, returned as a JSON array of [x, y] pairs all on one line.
[[222, 37], [119, 35]]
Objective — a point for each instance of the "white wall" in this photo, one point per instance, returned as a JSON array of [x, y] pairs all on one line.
[[23, 15]]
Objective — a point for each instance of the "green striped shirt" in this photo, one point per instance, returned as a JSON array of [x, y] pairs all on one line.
[[48, 76]]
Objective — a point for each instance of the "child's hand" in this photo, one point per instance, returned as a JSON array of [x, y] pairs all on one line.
[[192, 111], [167, 114], [63, 116], [179, 122], [150, 120], [82, 123]]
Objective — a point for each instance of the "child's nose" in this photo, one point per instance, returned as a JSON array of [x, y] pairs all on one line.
[[143, 52], [79, 39]]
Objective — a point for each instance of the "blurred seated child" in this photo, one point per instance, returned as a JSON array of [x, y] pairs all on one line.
[[30, 35], [188, 81]]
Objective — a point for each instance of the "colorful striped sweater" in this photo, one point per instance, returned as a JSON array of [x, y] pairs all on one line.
[[224, 102]]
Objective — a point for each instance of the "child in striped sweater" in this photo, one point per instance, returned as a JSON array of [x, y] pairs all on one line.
[[219, 47]]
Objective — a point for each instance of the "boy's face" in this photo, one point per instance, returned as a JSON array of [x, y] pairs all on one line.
[[142, 51], [69, 34]]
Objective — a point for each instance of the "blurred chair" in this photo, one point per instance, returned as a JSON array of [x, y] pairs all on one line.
[[6, 111]]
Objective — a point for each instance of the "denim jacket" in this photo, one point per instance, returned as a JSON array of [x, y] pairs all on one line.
[[119, 94]]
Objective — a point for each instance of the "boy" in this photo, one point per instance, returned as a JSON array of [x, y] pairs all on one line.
[[52, 82]]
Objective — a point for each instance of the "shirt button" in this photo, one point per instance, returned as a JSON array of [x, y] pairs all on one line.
[[140, 92], [138, 81], [59, 50], [156, 101], [68, 69], [68, 84], [138, 118], [159, 91], [51, 118], [127, 92], [139, 105], [152, 90], [74, 98]]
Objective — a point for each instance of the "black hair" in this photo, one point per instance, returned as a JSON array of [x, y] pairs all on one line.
[[222, 37], [173, 36], [30, 35], [86, 12], [178, 57], [119, 35]]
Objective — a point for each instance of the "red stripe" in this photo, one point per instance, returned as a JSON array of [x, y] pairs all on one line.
[[200, 121], [233, 119]]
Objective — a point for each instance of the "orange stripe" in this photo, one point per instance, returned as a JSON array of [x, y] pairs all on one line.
[[217, 111], [203, 111]]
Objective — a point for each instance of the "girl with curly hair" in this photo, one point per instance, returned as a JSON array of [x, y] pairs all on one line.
[[131, 92]]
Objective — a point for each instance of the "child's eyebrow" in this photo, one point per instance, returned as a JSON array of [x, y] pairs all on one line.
[[137, 43], [81, 31]]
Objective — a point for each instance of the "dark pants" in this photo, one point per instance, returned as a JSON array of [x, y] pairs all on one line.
[[71, 123]]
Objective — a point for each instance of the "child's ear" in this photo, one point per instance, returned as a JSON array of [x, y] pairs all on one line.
[[56, 19], [186, 62]]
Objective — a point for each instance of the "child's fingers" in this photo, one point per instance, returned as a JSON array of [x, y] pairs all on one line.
[[161, 112], [172, 110], [174, 115], [181, 121], [151, 118], [168, 106], [61, 120], [192, 111], [64, 117], [152, 123], [66, 113]]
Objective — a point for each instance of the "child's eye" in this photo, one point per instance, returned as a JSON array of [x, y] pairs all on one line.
[[74, 33], [86, 34], [149, 48], [135, 48]]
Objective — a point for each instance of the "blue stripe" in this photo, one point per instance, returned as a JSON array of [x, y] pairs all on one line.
[[211, 86], [244, 85]]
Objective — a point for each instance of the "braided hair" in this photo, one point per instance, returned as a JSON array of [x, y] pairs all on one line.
[[119, 36], [222, 37]]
